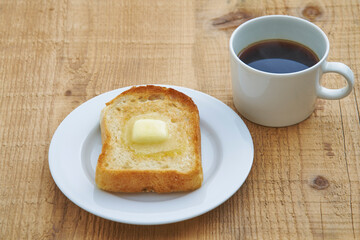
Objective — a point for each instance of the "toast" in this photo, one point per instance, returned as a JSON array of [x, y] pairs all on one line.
[[128, 164]]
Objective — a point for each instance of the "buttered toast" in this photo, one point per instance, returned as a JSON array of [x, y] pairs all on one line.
[[151, 142]]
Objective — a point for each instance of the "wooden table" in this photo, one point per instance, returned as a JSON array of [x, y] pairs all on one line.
[[55, 55]]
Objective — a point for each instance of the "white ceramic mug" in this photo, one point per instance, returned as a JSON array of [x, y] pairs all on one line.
[[277, 100]]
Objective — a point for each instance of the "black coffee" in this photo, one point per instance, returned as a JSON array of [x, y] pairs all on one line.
[[278, 56]]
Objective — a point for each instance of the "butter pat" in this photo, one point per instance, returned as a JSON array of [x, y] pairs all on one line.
[[149, 131]]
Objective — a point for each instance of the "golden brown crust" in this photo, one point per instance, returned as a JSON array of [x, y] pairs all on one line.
[[161, 181], [151, 89]]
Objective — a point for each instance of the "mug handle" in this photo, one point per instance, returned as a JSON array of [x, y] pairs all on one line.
[[334, 94]]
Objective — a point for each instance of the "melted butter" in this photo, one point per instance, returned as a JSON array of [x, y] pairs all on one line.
[[171, 147]]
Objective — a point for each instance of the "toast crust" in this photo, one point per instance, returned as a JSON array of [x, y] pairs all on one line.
[[151, 180]]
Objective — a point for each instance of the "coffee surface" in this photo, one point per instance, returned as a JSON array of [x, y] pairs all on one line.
[[278, 56]]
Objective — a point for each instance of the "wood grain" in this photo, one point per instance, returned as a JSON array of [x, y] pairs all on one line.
[[55, 55]]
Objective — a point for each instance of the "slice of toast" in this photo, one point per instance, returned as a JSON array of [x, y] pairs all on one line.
[[171, 165]]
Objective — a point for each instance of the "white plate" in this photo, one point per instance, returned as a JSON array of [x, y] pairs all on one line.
[[227, 157]]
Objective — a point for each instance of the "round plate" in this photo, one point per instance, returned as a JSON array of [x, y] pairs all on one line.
[[227, 156]]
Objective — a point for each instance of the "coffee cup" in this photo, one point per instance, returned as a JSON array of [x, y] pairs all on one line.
[[282, 99]]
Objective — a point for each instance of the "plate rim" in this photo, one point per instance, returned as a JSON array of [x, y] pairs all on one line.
[[178, 219]]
